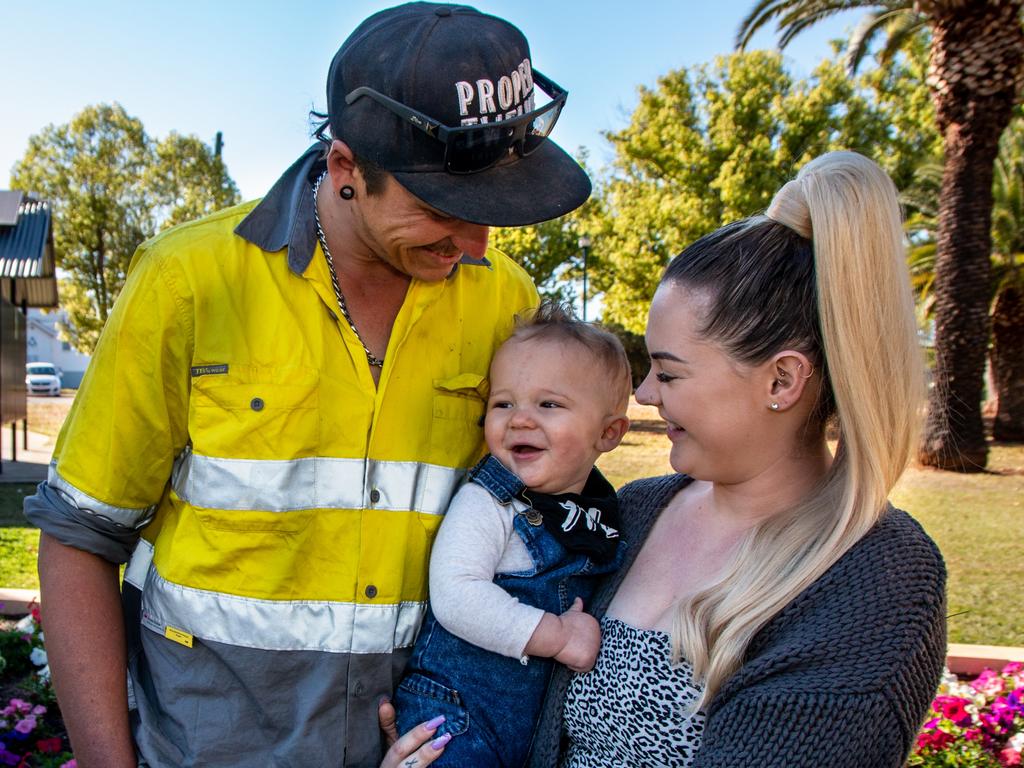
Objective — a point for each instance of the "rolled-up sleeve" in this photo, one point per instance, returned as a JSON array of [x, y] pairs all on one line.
[[129, 421]]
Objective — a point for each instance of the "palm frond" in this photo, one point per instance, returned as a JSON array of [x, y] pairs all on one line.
[[792, 13], [892, 19], [762, 13], [904, 24]]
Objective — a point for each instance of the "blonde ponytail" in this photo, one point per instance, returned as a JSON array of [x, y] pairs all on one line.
[[848, 208]]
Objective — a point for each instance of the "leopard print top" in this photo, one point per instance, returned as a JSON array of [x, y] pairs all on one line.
[[628, 710]]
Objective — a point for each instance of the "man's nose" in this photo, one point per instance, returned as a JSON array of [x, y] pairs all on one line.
[[471, 239]]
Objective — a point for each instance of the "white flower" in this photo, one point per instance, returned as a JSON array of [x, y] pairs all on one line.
[[26, 624], [38, 657], [1017, 742], [44, 672]]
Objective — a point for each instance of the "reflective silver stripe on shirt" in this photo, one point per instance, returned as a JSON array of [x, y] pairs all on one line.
[[126, 517], [138, 564], [274, 625], [313, 483]]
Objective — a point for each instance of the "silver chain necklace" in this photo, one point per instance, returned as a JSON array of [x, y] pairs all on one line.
[[377, 362]]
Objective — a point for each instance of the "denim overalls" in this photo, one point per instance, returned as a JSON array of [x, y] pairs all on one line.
[[491, 702]]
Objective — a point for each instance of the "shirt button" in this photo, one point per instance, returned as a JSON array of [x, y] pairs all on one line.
[[371, 591], [256, 404], [374, 496], [359, 689]]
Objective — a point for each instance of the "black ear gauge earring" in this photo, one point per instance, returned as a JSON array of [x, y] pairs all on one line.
[[346, 192]]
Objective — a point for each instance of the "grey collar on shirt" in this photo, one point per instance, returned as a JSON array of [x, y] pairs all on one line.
[[284, 218]]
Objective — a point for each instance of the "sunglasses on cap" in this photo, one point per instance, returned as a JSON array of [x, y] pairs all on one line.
[[474, 148]]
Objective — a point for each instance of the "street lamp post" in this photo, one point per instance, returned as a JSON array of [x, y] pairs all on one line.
[[584, 243]]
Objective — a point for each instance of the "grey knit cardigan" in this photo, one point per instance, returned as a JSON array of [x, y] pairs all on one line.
[[840, 678]]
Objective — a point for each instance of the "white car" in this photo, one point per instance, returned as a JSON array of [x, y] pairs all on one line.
[[42, 379]]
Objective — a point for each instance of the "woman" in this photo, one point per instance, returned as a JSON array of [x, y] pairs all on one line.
[[775, 610]]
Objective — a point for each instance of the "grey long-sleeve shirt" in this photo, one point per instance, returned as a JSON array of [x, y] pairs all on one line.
[[841, 677]]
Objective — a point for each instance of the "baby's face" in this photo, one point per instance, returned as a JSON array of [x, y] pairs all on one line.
[[548, 407]]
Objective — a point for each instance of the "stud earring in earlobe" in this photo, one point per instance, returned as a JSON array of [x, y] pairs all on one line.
[[346, 192], [774, 406]]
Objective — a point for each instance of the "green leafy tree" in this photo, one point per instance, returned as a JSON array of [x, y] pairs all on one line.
[[549, 251], [111, 186], [188, 180], [712, 144], [976, 69]]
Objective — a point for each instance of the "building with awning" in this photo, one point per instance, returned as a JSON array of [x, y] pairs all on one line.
[[27, 279]]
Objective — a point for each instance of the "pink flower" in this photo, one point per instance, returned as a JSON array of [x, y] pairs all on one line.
[[1013, 668], [20, 705], [1009, 757], [49, 746], [988, 683], [27, 725], [1016, 700], [39, 709], [991, 724], [972, 734], [1001, 708], [937, 740], [72, 763], [952, 708]]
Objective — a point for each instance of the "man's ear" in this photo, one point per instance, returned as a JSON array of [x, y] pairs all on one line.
[[615, 428], [341, 164], [788, 373]]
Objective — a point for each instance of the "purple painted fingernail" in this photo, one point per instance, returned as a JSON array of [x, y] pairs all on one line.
[[440, 741], [432, 724]]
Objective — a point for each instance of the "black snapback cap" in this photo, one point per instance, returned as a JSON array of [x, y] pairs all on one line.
[[460, 67]]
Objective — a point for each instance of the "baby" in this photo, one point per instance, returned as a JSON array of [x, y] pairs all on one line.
[[521, 542]]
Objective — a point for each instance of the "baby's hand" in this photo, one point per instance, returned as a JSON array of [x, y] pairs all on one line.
[[583, 638]]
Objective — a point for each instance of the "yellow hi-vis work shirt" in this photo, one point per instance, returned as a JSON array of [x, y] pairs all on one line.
[[286, 505]]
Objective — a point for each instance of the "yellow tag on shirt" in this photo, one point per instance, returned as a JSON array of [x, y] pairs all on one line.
[[178, 636]]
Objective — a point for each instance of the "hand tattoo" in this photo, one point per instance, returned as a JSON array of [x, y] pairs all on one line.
[[412, 762]]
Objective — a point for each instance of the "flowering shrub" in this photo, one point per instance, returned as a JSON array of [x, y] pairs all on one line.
[[31, 733], [979, 724]]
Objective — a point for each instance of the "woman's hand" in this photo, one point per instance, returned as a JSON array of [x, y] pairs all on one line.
[[413, 749]]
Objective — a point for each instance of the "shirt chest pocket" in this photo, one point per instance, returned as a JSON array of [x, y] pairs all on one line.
[[256, 413], [457, 423]]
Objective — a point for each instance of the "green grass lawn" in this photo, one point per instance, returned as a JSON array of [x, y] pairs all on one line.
[[19, 544], [976, 520]]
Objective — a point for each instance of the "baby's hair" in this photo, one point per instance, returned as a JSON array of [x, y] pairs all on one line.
[[553, 321]]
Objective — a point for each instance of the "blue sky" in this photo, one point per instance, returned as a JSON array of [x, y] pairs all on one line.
[[253, 70]]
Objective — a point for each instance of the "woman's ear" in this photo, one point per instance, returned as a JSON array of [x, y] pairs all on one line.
[[789, 372], [615, 428]]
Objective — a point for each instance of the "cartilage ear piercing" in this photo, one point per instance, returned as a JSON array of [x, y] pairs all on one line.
[[774, 406], [346, 192]]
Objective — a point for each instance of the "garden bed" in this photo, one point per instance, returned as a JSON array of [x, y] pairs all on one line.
[[32, 734]]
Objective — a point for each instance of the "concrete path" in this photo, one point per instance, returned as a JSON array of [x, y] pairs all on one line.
[[32, 462]]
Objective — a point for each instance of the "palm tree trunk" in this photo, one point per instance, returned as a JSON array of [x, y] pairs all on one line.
[[1007, 358], [975, 70]]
